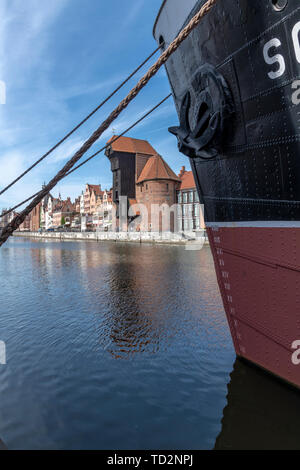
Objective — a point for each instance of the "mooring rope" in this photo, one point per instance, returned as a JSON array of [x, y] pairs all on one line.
[[2, 191], [19, 219], [94, 154]]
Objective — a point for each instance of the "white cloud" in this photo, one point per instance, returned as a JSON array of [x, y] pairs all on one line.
[[24, 34], [46, 97], [84, 89], [24, 25], [66, 150]]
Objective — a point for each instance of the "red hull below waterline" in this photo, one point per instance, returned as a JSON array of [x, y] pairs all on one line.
[[258, 271], [236, 86]]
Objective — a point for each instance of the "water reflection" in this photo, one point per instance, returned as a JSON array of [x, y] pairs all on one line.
[[261, 413], [76, 311], [133, 320]]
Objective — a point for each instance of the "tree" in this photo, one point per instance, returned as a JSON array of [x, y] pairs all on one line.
[[63, 221]]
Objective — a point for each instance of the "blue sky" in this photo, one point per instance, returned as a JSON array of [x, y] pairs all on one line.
[[59, 59]]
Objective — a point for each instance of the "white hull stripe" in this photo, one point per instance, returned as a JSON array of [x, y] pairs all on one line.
[[256, 224]]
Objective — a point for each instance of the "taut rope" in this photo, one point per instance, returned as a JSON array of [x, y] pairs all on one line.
[[19, 219]]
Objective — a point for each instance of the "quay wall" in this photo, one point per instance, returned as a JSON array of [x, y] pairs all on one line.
[[137, 237]]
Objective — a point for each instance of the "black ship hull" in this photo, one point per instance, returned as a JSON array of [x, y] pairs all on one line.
[[236, 86]]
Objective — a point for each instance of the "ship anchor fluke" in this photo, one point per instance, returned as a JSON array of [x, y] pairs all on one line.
[[203, 112]]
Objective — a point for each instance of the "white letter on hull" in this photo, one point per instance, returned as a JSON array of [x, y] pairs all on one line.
[[295, 35], [276, 58], [296, 354], [296, 94]]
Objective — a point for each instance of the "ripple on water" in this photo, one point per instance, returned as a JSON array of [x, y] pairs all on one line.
[[111, 346]]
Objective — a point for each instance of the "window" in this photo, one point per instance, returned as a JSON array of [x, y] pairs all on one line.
[[185, 198], [196, 196], [179, 197], [191, 196], [146, 187], [167, 187], [197, 210]]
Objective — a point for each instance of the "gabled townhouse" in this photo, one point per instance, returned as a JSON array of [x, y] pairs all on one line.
[[64, 214]]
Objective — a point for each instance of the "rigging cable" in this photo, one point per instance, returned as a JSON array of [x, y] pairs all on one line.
[[94, 155], [19, 219], [2, 191]]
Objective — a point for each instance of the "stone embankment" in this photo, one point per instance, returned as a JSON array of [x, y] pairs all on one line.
[[140, 237]]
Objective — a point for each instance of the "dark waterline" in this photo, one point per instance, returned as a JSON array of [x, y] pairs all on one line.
[[118, 346]]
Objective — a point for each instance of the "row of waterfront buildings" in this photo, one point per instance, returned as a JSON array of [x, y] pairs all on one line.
[[142, 179]]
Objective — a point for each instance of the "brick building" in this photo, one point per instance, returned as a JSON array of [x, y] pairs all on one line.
[[32, 221], [141, 175], [157, 185], [25, 226], [77, 205], [35, 217], [128, 157], [147, 181], [64, 213]]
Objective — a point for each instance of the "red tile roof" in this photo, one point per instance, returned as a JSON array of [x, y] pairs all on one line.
[[65, 206], [157, 169], [187, 179], [96, 188], [130, 145]]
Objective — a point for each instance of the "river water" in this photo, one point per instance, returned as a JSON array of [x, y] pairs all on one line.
[[126, 346]]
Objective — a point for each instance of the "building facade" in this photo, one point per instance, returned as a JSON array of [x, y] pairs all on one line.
[[190, 217], [6, 219], [25, 226], [64, 214], [35, 218], [92, 192], [158, 199], [91, 197], [157, 188], [128, 157], [102, 217]]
